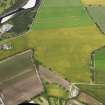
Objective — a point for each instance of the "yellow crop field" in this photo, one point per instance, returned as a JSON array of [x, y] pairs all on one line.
[[94, 2], [67, 50]]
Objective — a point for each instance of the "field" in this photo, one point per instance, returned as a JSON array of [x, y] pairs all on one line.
[[100, 66], [98, 16], [96, 91], [65, 49], [55, 14], [15, 65], [94, 2], [18, 78]]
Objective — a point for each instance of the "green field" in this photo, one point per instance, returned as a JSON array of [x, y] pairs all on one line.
[[60, 14], [96, 91], [99, 61], [15, 65], [97, 13]]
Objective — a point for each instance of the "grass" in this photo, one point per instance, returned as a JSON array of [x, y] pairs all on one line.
[[100, 66], [96, 91], [94, 2], [54, 14], [15, 65], [97, 14], [54, 90]]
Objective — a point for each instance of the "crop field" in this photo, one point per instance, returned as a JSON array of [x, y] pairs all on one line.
[[94, 2], [100, 66], [96, 91], [66, 51], [60, 14], [97, 13], [15, 65]]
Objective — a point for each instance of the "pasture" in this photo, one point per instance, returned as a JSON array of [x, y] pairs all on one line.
[[97, 13], [61, 14], [100, 66], [96, 91]]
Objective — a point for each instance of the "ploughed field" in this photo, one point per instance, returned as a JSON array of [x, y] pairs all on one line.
[[16, 65]]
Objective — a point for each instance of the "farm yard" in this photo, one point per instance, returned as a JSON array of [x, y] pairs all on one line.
[[98, 16]]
